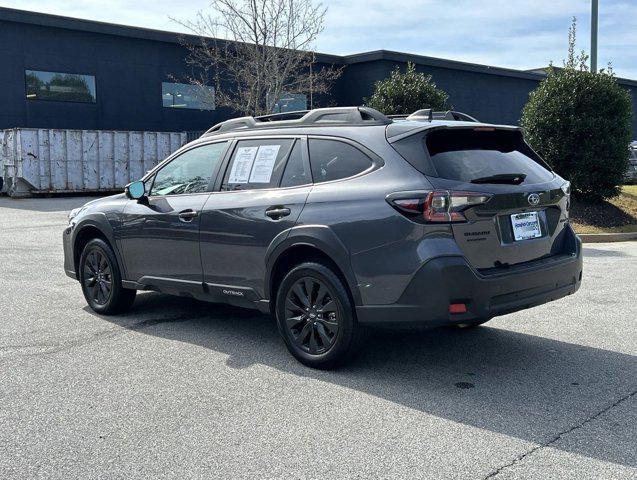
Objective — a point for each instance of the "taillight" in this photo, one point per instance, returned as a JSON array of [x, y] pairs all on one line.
[[566, 188], [438, 206]]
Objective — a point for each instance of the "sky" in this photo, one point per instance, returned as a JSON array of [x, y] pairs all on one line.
[[520, 34]]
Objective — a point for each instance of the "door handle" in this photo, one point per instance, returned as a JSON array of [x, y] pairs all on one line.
[[277, 212], [187, 215]]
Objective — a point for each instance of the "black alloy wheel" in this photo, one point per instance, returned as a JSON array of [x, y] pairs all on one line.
[[101, 279], [98, 277], [311, 315], [316, 316]]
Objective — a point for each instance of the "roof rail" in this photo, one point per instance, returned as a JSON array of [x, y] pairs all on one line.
[[429, 115], [458, 116], [275, 117], [319, 116]]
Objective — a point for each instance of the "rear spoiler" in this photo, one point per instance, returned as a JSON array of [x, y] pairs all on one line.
[[479, 127]]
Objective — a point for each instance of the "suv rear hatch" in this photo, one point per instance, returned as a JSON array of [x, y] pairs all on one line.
[[506, 207]]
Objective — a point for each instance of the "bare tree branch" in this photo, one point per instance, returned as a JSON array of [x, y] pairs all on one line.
[[254, 51]]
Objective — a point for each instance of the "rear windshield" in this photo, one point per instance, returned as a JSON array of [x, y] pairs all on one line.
[[467, 155]]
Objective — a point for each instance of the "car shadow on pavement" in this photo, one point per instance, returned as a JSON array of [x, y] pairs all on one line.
[[520, 385]]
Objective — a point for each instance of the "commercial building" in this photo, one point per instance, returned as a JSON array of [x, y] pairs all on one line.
[[60, 72]]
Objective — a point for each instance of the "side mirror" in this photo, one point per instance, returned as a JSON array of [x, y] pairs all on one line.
[[135, 190]]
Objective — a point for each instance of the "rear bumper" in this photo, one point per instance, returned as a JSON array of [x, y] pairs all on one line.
[[445, 280]]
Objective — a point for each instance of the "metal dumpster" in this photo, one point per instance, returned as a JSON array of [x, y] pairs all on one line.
[[57, 161]]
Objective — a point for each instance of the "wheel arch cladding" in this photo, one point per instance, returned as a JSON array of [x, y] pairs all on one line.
[[298, 251], [85, 232]]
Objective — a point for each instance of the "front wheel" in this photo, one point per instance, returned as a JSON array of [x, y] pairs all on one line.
[[316, 317], [102, 281]]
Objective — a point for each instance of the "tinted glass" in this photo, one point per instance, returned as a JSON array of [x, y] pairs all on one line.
[[190, 172], [257, 164], [290, 102], [184, 95], [333, 160], [61, 87], [467, 155], [296, 172]]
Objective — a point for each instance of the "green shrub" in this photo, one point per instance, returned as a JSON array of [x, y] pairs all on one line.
[[404, 93], [580, 122]]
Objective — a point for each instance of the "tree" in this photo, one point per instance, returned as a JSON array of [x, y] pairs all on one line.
[[580, 122], [404, 93], [254, 51]]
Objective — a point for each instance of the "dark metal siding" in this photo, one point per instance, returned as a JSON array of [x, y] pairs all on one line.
[[129, 65], [128, 74], [488, 97]]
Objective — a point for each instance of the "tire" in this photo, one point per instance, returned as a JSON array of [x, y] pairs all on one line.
[[101, 279], [472, 323], [316, 317]]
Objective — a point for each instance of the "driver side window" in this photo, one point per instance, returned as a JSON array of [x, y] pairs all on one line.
[[190, 172]]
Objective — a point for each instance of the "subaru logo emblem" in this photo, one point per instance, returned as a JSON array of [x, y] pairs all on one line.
[[533, 199]]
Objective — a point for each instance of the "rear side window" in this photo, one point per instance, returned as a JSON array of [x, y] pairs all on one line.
[[333, 160], [257, 164], [296, 171], [467, 155]]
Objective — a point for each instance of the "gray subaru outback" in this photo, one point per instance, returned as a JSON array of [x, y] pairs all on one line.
[[335, 219]]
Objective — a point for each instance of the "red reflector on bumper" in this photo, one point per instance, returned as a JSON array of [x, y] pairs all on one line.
[[457, 308]]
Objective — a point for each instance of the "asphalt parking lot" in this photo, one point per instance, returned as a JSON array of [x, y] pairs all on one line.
[[181, 389]]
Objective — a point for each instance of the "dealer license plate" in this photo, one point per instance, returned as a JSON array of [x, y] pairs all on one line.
[[526, 226]]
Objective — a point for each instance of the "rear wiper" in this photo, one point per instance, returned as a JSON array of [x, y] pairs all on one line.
[[506, 178]]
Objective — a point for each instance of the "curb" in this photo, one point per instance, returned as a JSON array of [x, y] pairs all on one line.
[[607, 237]]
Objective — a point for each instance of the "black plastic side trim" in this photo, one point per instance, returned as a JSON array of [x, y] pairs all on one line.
[[322, 238]]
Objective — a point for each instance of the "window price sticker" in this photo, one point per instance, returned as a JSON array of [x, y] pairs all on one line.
[[264, 163], [242, 164]]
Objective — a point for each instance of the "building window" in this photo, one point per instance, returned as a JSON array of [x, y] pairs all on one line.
[[290, 102], [61, 87], [184, 95]]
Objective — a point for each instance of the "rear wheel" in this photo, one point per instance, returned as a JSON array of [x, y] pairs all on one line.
[[316, 317], [101, 279]]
